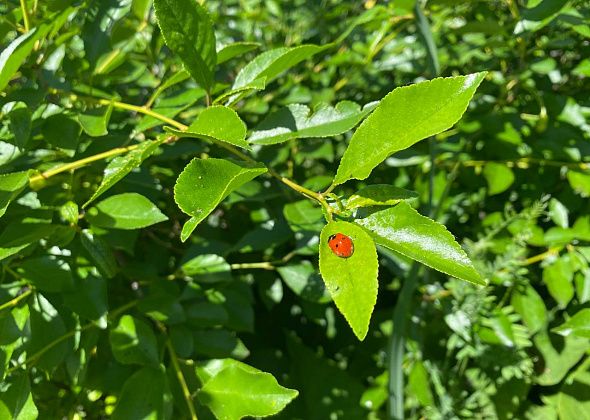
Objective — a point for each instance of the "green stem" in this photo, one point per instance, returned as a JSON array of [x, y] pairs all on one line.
[[265, 265], [27, 22], [185, 391], [16, 300], [41, 352], [146, 111], [79, 163], [397, 345]]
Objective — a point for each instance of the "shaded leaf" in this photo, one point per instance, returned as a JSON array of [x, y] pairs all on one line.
[[10, 187], [578, 324], [188, 32], [15, 54], [498, 176], [133, 342], [379, 195], [16, 401], [95, 122], [235, 49], [99, 252], [145, 395]]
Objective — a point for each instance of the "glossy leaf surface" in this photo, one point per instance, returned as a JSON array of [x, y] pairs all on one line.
[[404, 230], [352, 282], [397, 123]]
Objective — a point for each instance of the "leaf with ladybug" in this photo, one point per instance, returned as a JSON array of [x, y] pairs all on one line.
[[348, 264]]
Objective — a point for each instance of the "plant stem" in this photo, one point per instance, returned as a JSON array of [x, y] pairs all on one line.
[[265, 265], [185, 391], [16, 300], [397, 345], [67, 335], [146, 111], [27, 22], [79, 163]]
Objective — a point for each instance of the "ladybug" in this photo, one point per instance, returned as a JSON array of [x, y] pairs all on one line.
[[341, 245]]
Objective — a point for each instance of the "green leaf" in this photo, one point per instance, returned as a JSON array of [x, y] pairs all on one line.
[[47, 326], [19, 118], [352, 282], [578, 324], [10, 187], [16, 401], [580, 182], [304, 281], [271, 64], [205, 264], [99, 252], [498, 176], [15, 54], [133, 342], [216, 123], [48, 274], [404, 230], [379, 195], [95, 122], [188, 32], [235, 49], [145, 395], [559, 280], [572, 400], [122, 165], [235, 390], [558, 356], [18, 236], [530, 306], [233, 94], [296, 122], [125, 211], [89, 299], [405, 116], [62, 132], [204, 183]]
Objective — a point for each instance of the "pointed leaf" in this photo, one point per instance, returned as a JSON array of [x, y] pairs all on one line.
[[498, 176], [15, 54], [216, 123], [99, 252], [19, 118], [125, 211], [405, 116], [578, 324], [16, 401], [233, 50], [122, 165], [352, 282], [404, 230], [134, 342], [271, 64], [144, 395], [234, 390], [296, 122], [379, 195], [204, 183], [10, 187], [188, 32], [95, 122]]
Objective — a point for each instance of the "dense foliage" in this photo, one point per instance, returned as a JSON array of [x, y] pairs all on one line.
[[173, 177]]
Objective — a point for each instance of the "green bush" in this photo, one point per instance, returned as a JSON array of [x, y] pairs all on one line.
[[225, 209]]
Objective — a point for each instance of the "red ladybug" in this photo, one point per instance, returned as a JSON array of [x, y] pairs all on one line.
[[341, 245]]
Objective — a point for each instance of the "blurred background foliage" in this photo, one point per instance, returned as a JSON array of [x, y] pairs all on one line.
[[511, 181]]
